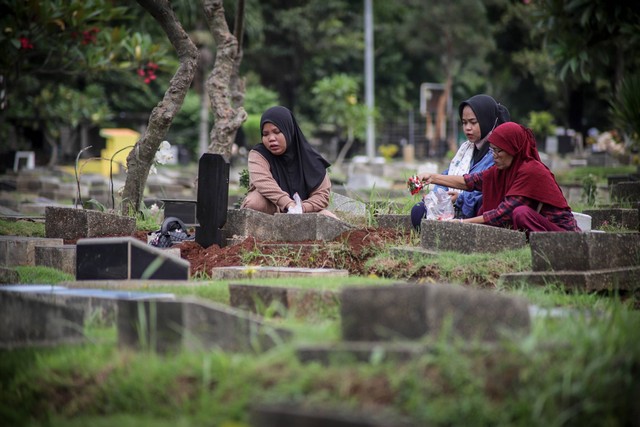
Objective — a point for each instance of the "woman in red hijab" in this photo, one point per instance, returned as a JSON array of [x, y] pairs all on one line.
[[519, 191]]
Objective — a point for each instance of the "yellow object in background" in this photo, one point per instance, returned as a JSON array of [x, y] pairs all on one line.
[[119, 140]]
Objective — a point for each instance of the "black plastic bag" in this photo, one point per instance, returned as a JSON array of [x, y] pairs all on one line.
[[172, 231]]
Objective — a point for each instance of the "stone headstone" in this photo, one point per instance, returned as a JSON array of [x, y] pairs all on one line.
[[409, 312], [126, 258], [25, 321], [340, 203], [213, 199], [301, 302], [583, 251], [399, 221], [21, 250], [468, 238], [185, 210], [191, 324], [263, 272], [283, 227], [70, 223], [95, 304], [626, 192], [619, 217], [61, 257], [582, 261]]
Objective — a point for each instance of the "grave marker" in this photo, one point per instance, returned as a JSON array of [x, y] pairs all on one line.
[[213, 199], [126, 258]]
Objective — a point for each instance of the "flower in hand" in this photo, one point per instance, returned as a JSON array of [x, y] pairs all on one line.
[[416, 184]]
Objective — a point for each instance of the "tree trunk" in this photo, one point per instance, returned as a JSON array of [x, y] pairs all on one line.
[[141, 158], [224, 87]]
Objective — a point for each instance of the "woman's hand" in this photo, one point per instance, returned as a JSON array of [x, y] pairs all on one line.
[[426, 177], [454, 196]]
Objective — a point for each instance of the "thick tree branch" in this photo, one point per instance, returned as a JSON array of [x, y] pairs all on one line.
[[228, 115], [142, 156]]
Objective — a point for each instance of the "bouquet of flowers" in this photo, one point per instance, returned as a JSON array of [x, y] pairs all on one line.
[[415, 184]]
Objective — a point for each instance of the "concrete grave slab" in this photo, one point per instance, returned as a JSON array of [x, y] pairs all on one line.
[[626, 191], [26, 322], [124, 258], [408, 312], [93, 303], [627, 218], [468, 238], [283, 227], [193, 325], [20, 250], [61, 257], [583, 251], [613, 279], [70, 224], [361, 351], [301, 302], [341, 203], [262, 272], [402, 222], [292, 415]]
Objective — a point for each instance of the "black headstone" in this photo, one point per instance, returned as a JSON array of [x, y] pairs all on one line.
[[126, 258], [213, 199], [183, 209]]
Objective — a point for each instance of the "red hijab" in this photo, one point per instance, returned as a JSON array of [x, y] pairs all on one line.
[[527, 176]]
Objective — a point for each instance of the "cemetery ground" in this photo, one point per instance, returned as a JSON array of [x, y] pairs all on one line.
[[578, 364]]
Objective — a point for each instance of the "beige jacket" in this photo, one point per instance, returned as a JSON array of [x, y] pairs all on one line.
[[261, 180]]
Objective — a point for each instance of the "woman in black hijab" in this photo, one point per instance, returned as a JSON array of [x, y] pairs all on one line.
[[479, 115], [285, 164]]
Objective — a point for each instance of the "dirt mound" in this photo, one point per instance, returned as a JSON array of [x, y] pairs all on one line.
[[348, 251]]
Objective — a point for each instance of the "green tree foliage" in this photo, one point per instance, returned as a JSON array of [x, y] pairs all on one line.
[[66, 63], [625, 108]]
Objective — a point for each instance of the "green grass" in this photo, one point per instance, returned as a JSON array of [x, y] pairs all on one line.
[[42, 275], [27, 228], [575, 370], [577, 175]]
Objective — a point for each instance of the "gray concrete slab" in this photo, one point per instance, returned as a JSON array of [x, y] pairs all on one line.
[[583, 251], [20, 250], [261, 272], [468, 238], [70, 224], [191, 324], [59, 257], [613, 279], [300, 302], [408, 312]]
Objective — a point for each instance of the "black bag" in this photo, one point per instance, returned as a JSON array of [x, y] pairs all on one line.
[[172, 231]]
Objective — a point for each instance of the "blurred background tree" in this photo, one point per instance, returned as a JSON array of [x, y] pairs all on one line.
[[566, 57]]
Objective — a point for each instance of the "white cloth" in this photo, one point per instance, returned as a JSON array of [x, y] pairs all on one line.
[[461, 162]]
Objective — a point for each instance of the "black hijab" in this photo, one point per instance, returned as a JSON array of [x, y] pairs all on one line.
[[490, 114], [300, 169]]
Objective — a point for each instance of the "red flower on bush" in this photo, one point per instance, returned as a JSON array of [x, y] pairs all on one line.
[[88, 36], [148, 72], [25, 43]]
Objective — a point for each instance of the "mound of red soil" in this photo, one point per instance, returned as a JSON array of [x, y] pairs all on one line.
[[348, 251]]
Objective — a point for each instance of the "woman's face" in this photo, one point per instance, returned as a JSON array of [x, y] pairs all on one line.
[[273, 139], [470, 124], [501, 158]]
